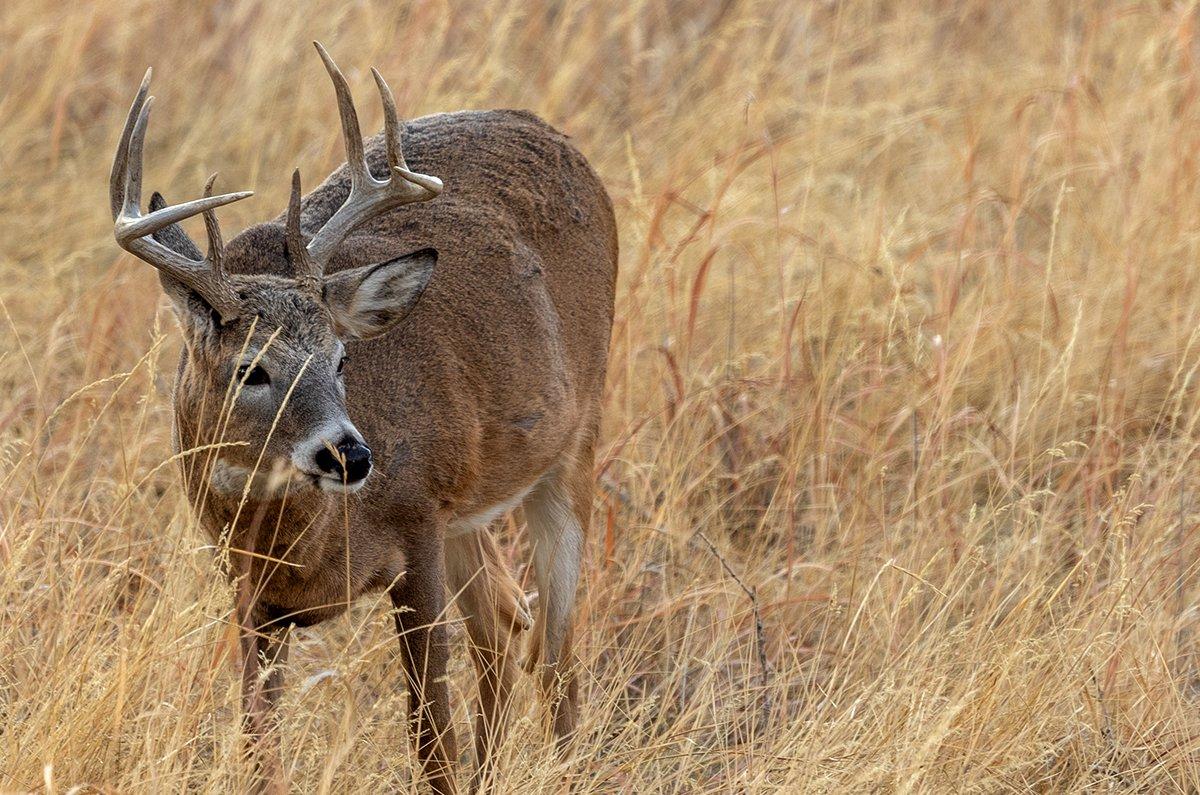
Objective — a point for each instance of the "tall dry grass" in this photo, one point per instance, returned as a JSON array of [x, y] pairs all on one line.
[[906, 345]]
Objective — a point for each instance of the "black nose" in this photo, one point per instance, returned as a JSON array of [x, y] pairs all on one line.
[[355, 454]]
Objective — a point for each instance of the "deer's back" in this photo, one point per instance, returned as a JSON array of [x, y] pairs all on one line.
[[504, 355]]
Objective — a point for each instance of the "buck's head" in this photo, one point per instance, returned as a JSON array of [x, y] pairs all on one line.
[[264, 355]]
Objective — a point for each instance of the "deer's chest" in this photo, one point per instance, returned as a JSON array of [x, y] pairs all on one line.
[[321, 589], [305, 570]]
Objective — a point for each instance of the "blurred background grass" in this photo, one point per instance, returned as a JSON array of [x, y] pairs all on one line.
[[906, 339]]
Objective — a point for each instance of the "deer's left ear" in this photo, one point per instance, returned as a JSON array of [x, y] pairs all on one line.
[[367, 301]]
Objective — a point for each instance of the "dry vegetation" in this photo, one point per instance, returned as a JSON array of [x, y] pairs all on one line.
[[907, 340]]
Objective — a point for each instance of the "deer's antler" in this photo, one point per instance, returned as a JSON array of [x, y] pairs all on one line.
[[368, 196], [133, 230]]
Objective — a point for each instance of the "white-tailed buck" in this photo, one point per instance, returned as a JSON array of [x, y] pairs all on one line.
[[371, 379]]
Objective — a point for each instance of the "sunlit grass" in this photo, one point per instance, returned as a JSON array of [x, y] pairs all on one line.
[[906, 328]]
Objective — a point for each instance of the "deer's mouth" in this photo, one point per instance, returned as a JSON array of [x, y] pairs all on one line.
[[336, 485], [328, 482]]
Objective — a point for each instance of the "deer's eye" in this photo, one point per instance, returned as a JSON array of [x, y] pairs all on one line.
[[342, 364], [252, 376]]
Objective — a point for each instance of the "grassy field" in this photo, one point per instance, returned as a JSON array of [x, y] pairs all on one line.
[[899, 486]]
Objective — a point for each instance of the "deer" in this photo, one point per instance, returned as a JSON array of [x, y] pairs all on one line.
[[373, 379]]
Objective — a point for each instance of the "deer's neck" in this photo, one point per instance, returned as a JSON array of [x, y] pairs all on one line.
[[292, 526]]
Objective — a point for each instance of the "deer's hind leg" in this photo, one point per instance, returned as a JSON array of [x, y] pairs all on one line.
[[494, 611], [558, 511]]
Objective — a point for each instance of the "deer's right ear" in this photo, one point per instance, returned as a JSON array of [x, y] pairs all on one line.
[[196, 315]]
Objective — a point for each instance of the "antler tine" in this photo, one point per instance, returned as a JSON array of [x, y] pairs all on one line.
[[391, 134], [132, 229], [391, 123], [117, 180], [351, 132], [133, 179], [305, 269], [368, 196], [216, 245]]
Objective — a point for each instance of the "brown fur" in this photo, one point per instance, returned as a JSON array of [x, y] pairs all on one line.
[[487, 390]]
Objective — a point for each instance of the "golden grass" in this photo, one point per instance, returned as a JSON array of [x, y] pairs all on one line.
[[907, 328]]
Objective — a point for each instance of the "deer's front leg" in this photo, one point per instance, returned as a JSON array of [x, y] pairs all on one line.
[[419, 599], [264, 652]]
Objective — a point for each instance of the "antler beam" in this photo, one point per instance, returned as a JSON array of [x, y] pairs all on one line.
[[368, 196], [133, 230]]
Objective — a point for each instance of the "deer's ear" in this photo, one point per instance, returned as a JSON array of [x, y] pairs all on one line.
[[196, 315], [367, 301]]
